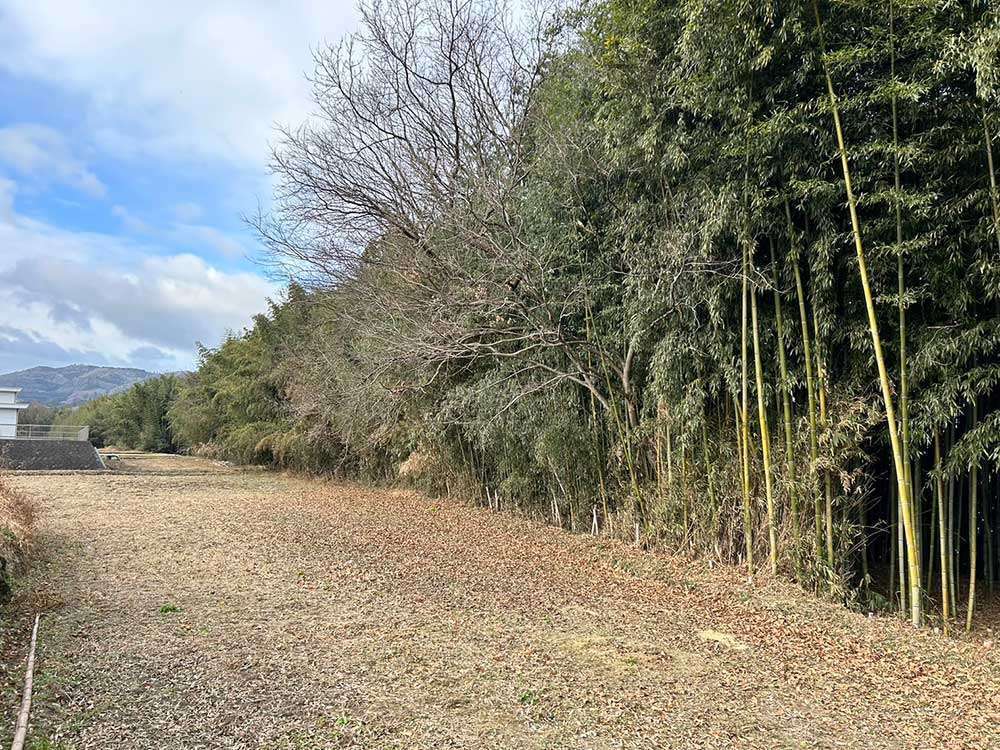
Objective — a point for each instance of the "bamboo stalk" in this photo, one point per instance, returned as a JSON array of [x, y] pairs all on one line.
[[765, 440], [988, 537], [897, 453], [709, 474], [598, 434], [21, 725], [625, 433], [994, 197], [954, 510], [821, 387], [670, 455], [744, 419], [659, 447], [973, 530], [865, 575], [904, 401], [786, 403], [891, 593], [932, 544], [900, 547], [807, 356], [943, 532], [682, 468], [738, 428]]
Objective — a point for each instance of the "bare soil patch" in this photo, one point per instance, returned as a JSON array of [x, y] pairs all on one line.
[[243, 610]]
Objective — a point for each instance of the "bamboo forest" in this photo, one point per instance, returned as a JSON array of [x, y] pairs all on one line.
[[714, 277]]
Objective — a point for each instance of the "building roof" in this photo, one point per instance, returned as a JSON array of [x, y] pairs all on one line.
[[10, 390], [14, 406]]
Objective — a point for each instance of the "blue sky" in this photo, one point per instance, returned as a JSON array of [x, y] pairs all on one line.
[[133, 138]]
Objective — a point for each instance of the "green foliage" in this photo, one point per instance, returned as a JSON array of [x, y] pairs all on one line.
[[135, 419], [543, 308], [236, 405], [37, 414]]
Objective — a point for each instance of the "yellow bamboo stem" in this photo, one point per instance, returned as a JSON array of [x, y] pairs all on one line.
[[943, 536], [765, 441], [890, 411], [973, 530], [744, 419]]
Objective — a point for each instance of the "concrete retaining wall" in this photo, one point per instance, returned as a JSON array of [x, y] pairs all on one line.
[[44, 455]]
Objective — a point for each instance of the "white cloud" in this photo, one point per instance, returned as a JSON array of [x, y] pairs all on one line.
[[93, 293], [180, 79], [188, 90], [7, 190], [209, 238], [130, 221], [43, 154], [21, 349]]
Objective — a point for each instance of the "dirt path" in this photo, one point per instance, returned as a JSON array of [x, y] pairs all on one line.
[[232, 610]]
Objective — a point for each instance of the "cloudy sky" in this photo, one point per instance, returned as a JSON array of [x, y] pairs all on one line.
[[133, 137]]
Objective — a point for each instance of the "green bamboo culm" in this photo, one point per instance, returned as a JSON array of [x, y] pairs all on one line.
[[811, 407], [890, 412], [973, 531], [765, 441], [786, 403], [744, 412]]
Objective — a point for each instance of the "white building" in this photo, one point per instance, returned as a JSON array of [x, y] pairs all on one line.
[[9, 407]]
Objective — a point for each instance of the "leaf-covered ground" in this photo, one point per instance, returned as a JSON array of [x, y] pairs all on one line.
[[246, 610]]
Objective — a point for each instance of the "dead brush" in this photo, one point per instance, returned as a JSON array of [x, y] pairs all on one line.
[[17, 522]]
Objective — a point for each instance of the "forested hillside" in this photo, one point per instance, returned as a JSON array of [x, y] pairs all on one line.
[[71, 385], [718, 277]]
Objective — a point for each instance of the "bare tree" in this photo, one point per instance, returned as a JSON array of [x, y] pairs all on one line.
[[406, 193], [417, 133]]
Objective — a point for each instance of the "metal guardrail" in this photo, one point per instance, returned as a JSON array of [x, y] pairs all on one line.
[[52, 432]]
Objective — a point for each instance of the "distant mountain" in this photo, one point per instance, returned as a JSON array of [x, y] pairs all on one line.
[[71, 385]]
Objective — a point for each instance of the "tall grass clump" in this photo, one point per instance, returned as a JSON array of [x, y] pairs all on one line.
[[17, 521]]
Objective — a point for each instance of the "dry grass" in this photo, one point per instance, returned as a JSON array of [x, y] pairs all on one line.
[[17, 522], [135, 461], [233, 610]]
